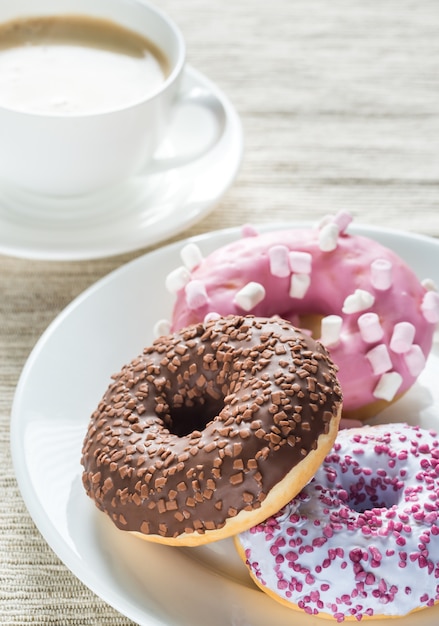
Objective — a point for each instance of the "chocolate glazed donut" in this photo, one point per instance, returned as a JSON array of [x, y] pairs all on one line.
[[211, 430]]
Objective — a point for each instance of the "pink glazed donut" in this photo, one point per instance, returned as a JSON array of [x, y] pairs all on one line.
[[354, 295], [362, 538]]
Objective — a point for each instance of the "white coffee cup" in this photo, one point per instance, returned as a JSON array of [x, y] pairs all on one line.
[[68, 154]]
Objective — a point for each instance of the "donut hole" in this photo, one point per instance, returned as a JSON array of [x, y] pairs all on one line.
[[372, 492], [182, 420], [311, 323]]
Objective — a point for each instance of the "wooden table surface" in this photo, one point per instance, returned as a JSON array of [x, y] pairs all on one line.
[[339, 103]]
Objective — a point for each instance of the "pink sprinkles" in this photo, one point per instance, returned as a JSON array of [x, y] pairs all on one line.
[[362, 538]]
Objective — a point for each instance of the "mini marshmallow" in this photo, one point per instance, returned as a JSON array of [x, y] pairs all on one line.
[[191, 256], [326, 219], [196, 295], [429, 284], [279, 264], [248, 230], [358, 301], [388, 386], [343, 219], [430, 307], [331, 329], [402, 337], [379, 359], [300, 262], [177, 279], [249, 296], [162, 327], [211, 316], [328, 237], [370, 327], [414, 360], [299, 285], [381, 274]]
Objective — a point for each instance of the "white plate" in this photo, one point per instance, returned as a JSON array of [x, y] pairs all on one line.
[[145, 209], [61, 384]]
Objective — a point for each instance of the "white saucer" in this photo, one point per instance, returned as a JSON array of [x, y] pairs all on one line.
[[143, 211]]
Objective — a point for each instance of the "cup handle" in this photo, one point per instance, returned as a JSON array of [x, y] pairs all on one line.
[[203, 98]]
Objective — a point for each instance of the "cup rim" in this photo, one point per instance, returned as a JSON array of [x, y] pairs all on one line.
[[169, 80]]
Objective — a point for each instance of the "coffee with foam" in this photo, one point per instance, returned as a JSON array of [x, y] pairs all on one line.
[[75, 65]]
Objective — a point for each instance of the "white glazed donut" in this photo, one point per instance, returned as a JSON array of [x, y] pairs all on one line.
[[362, 538]]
